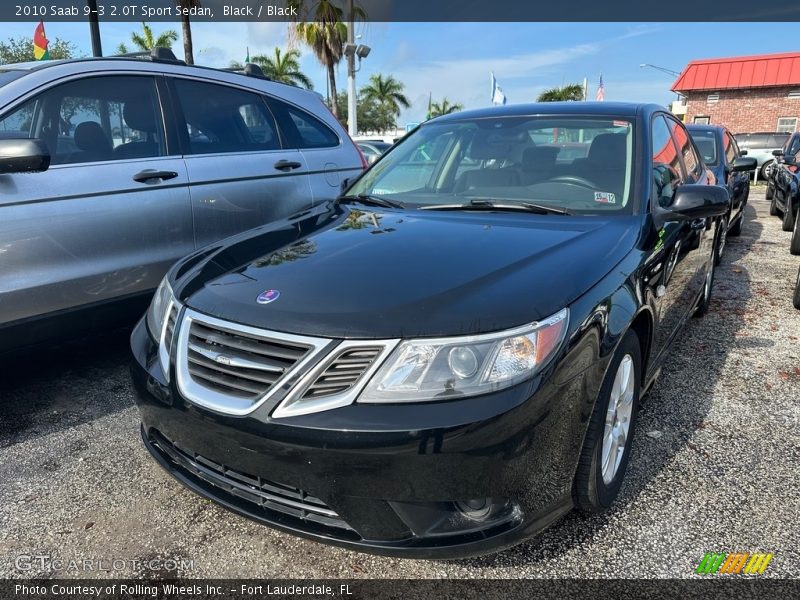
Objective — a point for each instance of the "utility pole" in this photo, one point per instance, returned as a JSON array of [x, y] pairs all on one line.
[[352, 119], [94, 28]]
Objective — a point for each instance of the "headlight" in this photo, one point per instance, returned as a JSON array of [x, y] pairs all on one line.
[[157, 313], [448, 368]]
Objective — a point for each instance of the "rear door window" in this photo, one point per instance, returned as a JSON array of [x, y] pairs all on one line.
[[303, 130], [223, 119]]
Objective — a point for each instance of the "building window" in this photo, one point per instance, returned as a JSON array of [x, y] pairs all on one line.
[[787, 125], [702, 120], [712, 98]]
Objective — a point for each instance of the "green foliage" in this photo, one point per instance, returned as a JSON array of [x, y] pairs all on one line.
[[20, 49], [564, 93], [444, 107], [387, 94], [283, 67], [147, 40], [372, 116]]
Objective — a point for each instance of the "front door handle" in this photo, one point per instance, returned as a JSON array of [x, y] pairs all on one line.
[[287, 165], [149, 174]]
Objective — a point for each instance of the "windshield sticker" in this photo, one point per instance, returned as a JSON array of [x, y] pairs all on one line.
[[605, 198]]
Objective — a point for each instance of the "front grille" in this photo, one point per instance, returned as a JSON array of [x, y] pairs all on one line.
[[238, 364], [265, 495], [171, 319], [343, 373]]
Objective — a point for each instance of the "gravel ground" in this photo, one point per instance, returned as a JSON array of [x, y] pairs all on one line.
[[714, 465]]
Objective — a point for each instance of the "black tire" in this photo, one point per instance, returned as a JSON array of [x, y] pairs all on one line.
[[788, 217], [762, 174], [797, 291], [794, 245], [773, 208], [736, 230], [770, 192], [722, 238], [592, 493], [708, 288]]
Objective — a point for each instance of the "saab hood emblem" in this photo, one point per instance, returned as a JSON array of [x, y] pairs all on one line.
[[268, 296]]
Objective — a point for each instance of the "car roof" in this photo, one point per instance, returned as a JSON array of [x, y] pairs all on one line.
[[626, 109]]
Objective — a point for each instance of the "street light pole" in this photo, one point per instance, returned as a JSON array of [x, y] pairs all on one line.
[[352, 118], [662, 69], [94, 28]]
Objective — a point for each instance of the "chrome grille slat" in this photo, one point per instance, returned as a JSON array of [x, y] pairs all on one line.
[[243, 366], [258, 376], [343, 372], [232, 339], [172, 318], [223, 380]]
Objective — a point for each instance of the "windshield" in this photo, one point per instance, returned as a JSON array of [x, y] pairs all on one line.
[[581, 164], [706, 144]]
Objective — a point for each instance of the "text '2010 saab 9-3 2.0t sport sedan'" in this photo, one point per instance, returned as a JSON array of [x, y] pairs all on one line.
[[451, 355]]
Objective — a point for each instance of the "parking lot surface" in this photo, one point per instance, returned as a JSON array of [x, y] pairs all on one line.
[[714, 464]]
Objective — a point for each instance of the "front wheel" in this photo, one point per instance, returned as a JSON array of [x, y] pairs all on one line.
[[765, 171], [722, 237], [788, 217], [794, 245], [708, 286], [797, 291], [770, 192], [773, 208], [607, 446]]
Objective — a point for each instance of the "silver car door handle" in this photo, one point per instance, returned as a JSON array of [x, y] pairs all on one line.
[[287, 165], [150, 174]]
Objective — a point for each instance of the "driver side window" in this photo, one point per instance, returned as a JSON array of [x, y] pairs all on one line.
[[667, 169]]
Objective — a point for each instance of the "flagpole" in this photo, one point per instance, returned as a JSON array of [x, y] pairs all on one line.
[[94, 28]]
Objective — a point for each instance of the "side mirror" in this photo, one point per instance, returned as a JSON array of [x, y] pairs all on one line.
[[744, 163], [693, 201], [777, 153], [743, 152], [23, 156]]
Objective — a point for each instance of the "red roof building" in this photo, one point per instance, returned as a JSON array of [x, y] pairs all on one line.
[[744, 93]]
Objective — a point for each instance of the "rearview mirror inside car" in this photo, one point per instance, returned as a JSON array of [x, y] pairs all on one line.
[[23, 156], [744, 163]]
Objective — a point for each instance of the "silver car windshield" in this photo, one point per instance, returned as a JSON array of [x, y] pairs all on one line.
[[580, 164]]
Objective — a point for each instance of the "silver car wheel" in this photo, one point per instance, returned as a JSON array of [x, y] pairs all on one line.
[[618, 419]]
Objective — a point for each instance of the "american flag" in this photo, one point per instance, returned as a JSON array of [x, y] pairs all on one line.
[[601, 91]]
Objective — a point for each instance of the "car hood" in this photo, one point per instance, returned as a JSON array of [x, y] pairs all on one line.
[[355, 273]]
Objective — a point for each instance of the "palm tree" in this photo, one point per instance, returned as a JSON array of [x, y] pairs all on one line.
[[186, 29], [444, 108], [283, 67], [387, 93], [573, 91], [146, 41], [325, 34]]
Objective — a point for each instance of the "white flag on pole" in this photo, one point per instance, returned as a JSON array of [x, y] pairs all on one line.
[[498, 97]]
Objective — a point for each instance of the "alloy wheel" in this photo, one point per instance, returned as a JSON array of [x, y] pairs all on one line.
[[618, 419]]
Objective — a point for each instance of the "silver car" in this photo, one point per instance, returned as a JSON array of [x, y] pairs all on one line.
[[111, 169]]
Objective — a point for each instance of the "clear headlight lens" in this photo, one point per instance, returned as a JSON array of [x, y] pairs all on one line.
[[157, 313], [449, 368]]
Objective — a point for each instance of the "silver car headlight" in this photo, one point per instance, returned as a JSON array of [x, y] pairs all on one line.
[[448, 368], [158, 310]]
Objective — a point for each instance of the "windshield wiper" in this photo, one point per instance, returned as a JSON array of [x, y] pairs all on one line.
[[371, 201], [481, 204]]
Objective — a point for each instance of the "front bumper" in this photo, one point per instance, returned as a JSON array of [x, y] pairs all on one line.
[[379, 478]]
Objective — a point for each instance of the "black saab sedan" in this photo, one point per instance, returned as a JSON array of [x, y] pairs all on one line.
[[450, 356], [731, 168]]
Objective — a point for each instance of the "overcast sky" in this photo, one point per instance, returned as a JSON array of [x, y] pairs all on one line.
[[455, 59]]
